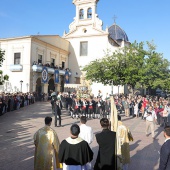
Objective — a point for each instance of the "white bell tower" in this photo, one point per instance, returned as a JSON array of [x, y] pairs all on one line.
[[86, 15]]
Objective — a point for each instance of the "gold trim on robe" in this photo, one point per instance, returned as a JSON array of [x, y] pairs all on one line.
[[123, 143], [46, 149]]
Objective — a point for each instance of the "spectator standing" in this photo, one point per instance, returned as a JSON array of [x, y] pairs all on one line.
[[165, 151], [150, 116], [1, 106], [136, 110], [131, 108], [126, 107], [168, 117]]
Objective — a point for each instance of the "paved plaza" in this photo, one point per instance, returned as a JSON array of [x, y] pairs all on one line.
[[18, 127]]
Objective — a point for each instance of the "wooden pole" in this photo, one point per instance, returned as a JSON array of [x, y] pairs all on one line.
[[114, 125]]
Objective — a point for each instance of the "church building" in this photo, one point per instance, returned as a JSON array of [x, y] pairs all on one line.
[[85, 41], [88, 41]]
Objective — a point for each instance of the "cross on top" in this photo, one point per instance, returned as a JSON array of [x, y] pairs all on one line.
[[114, 18]]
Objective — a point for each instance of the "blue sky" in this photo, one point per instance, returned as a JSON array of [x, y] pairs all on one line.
[[142, 20]]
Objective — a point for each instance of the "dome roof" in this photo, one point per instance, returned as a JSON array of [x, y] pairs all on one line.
[[117, 33]]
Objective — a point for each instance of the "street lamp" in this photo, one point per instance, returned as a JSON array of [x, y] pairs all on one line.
[[21, 84]]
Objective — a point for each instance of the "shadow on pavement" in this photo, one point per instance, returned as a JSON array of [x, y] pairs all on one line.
[[16, 140], [144, 159]]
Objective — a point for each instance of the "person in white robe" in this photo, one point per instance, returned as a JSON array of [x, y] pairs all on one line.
[[136, 110], [86, 133]]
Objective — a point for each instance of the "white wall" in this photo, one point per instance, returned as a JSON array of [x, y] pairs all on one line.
[[29, 49], [10, 47]]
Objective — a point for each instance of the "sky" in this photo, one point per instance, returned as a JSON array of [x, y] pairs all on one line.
[[142, 20]]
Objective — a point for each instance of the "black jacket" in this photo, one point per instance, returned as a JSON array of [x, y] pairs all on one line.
[[106, 159], [165, 156]]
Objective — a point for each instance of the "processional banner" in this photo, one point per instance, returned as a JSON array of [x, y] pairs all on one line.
[[57, 76], [66, 77], [44, 75]]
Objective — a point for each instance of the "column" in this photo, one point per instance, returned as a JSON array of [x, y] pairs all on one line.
[[45, 88], [34, 81], [57, 87], [33, 87]]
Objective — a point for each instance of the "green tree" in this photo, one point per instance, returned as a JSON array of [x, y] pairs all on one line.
[[134, 63], [3, 78], [120, 68], [131, 65], [156, 70]]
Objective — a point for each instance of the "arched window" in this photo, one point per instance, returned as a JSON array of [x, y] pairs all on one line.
[[89, 13], [81, 14]]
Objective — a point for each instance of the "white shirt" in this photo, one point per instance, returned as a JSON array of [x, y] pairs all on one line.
[[150, 117], [167, 139], [86, 133]]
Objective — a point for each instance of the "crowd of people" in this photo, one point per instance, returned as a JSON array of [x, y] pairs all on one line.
[[51, 66], [74, 152], [14, 101], [132, 106], [152, 109]]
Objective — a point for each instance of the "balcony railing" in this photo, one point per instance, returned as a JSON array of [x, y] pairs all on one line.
[[38, 68], [16, 67], [50, 70]]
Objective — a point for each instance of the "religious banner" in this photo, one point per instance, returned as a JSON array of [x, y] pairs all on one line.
[[66, 77], [44, 75], [57, 76]]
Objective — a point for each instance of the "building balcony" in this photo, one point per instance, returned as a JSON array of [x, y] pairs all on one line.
[[50, 70], [16, 67], [38, 68]]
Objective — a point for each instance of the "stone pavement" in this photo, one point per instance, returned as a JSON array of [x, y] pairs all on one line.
[[18, 127]]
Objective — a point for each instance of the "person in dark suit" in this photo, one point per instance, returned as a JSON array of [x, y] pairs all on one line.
[[106, 159], [57, 113], [165, 151]]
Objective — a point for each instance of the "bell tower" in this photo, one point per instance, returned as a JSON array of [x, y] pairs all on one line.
[[85, 9], [86, 16]]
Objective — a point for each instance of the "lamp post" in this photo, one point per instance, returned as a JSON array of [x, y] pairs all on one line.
[[21, 84]]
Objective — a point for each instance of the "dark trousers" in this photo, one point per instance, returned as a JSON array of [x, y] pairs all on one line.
[[90, 111], [131, 111], [83, 112], [165, 121], [159, 118], [57, 119], [76, 112], [99, 110]]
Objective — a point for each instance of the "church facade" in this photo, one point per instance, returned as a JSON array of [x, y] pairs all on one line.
[[86, 41]]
